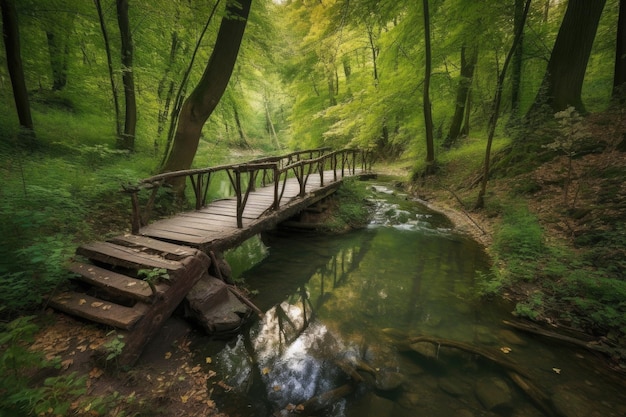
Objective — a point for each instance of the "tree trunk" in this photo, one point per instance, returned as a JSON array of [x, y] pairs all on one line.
[[563, 81], [107, 48], [619, 77], [462, 94], [243, 141], [204, 98], [127, 139], [11, 36], [58, 60], [516, 70], [497, 99], [428, 117]]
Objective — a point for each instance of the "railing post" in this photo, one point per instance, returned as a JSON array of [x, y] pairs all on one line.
[[276, 185], [238, 193], [136, 215], [354, 162], [334, 165]]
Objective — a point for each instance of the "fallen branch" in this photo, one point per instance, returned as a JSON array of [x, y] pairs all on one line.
[[245, 300]]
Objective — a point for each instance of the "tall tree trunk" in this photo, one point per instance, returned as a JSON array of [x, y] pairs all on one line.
[[468, 110], [204, 98], [563, 81], [619, 77], [497, 99], [428, 116], [269, 124], [243, 140], [11, 36], [516, 65], [462, 94], [127, 139], [58, 60], [107, 48]]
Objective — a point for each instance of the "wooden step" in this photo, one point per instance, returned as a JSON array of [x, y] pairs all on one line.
[[115, 284], [126, 257], [150, 246], [94, 309]]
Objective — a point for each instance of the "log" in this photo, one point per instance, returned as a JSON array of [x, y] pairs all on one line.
[[320, 402]]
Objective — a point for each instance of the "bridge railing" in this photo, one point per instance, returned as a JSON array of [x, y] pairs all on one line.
[[245, 177]]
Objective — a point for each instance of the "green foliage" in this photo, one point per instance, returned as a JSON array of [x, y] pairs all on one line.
[[19, 395], [519, 236], [352, 209], [114, 346]]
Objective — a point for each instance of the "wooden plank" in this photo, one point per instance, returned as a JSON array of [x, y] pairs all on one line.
[[115, 284], [179, 225], [153, 246], [171, 236], [112, 254], [94, 309]]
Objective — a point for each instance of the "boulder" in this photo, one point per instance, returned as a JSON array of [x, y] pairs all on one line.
[[493, 393], [214, 307]]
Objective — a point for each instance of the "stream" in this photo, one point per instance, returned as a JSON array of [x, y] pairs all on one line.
[[336, 304]]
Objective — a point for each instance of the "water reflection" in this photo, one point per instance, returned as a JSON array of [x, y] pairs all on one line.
[[338, 308]]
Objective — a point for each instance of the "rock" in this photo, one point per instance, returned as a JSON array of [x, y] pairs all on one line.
[[389, 380], [214, 307], [569, 404], [493, 393], [463, 413], [484, 335], [453, 387], [425, 349]]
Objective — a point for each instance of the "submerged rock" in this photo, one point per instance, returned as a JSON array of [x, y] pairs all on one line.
[[493, 393], [569, 404], [453, 387]]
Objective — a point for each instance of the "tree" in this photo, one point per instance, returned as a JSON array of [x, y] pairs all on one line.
[[428, 116], [497, 99], [463, 94], [127, 139], [619, 77], [563, 80], [107, 48], [11, 36], [204, 98]]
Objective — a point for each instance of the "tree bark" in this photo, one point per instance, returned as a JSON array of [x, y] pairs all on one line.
[[462, 94], [619, 77], [563, 80], [58, 60], [11, 36], [516, 70], [127, 139], [428, 117], [107, 48]]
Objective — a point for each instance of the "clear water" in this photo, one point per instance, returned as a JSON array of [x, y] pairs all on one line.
[[339, 302]]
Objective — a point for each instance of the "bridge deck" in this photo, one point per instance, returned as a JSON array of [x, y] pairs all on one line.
[[214, 227]]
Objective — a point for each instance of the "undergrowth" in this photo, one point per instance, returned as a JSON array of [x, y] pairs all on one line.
[[568, 288]]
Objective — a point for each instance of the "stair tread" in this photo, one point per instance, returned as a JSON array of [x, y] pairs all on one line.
[[126, 257], [114, 283], [97, 310]]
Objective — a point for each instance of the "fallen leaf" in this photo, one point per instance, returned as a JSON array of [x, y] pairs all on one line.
[[82, 348], [184, 398], [276, 388], [66, 363], [96, 304], [506, 349], [130, 284], [208, 359], [96, 373], [266, 371], [81, 301], [168, 355], [557, 371], [195, 369]]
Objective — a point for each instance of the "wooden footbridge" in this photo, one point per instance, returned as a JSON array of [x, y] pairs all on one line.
[[174, 253]]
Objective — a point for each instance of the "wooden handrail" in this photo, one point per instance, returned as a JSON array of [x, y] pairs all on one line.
[[275, 170]]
